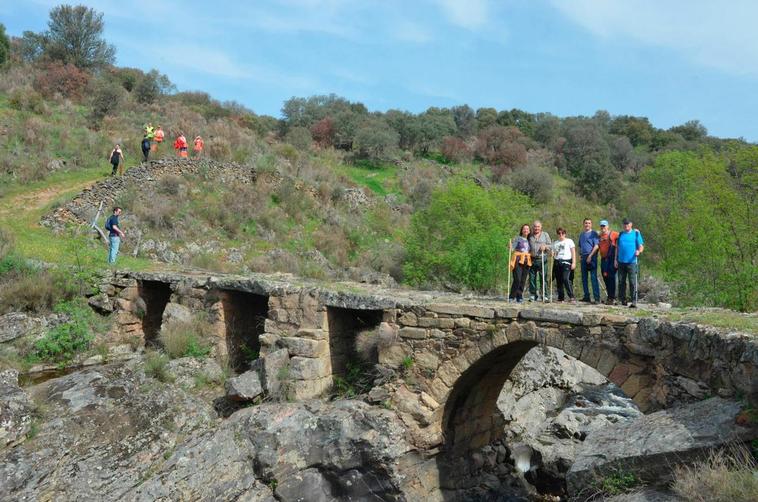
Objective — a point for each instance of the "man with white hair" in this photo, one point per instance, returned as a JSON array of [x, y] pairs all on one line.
[[539, 245]]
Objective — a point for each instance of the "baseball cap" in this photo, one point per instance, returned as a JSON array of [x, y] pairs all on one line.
[[603, 223]]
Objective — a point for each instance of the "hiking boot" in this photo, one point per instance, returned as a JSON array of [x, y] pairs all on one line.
[[623, 303], [632, 305], [572, 300], [610, 301], [585, 300]]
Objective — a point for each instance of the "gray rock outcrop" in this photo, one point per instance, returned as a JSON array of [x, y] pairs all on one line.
[[650, 446], [15, 410]]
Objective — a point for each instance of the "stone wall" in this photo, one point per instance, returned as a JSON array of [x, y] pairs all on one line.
[[83, 207]]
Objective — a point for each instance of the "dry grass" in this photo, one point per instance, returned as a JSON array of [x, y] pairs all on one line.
[[729, 475], [187, 339]]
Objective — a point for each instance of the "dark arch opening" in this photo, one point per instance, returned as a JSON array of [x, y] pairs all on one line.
[[472, 418], [156, 296]]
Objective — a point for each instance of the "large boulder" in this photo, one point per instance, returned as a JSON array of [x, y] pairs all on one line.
[[245, 387], [18, 324], [99, 433], [345, 450], [552, 402], [650, 446]]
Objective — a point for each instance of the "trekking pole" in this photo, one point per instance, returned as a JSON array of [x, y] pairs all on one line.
[[542, 269], [637, 280], [508, 293], [551, 279]]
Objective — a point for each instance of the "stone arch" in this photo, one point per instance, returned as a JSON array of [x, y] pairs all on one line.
[[467, 386]]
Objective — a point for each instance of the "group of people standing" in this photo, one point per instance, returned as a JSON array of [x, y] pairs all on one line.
[[151, 140], [532, 249]]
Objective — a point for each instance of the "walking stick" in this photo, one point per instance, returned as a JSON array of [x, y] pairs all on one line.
[[637, 280], [551, 280], [508, 293], [542, 268]]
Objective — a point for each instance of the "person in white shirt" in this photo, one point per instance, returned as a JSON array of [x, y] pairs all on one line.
[[564, 256]]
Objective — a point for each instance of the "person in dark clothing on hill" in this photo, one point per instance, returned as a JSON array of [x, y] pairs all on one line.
[[115, 234], [116, 158], [145, 148]]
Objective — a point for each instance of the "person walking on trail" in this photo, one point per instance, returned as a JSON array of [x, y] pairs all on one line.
[[564, 264], [629, 246], [607, 251], [149, 131], [116, 158], [521, 260], [198, 146], [145, 148], [180, 145], [158, 138], [115, 234], [588, 246], [539, 246]]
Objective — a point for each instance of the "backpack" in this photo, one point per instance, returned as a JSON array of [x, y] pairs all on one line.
[[108, 225], [146, 144]]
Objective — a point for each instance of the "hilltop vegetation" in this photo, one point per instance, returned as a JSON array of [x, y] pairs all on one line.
[[444, 189]]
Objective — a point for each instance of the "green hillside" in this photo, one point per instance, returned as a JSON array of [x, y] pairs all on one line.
[[345, 192]]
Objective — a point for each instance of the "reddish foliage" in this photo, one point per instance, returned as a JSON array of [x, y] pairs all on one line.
[[323, 132], [502, 146], [65, 80], [455, 149]]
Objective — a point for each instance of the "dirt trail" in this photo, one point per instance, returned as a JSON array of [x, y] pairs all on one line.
[[37, 199]]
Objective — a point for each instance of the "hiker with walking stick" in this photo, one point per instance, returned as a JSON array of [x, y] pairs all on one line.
[[519, 263], [539, 242], [607, 252], [629, 247]]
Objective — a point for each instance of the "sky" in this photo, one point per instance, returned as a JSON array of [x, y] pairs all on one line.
[[670, 61]]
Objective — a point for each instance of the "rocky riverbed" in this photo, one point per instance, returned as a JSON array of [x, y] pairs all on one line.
[[131, 430]]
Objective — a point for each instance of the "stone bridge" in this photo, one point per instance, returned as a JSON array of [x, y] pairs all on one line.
[[439, 359]]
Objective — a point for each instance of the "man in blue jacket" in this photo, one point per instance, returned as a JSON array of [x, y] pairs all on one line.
[[588, 247], [629, 246]]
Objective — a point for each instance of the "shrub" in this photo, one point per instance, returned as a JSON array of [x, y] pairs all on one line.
[[66, 340], [455, 150], [300, 138], [723, 476], [186, 339], [462, 236], [502, 146], [106, 98], [27, 100], [31, 290], [534, 181], [59, 79]]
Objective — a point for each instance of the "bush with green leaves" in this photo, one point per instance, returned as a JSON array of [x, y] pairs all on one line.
[[65, 340], [698, 220], [461, 238]]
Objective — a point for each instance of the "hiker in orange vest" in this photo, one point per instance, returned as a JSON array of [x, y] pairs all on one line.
[[158, 139], [180, 145], [520, 263], [607, 250], [198, 146]]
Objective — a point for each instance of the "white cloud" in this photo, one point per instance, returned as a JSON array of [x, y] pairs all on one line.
[[218, 63], [713, 34], [469, 14]]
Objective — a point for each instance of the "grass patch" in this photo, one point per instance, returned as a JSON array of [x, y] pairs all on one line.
[[727, 475], [66, 340], [156, 366], [618, 483], [380, 179], [187, 339], [356, 380]]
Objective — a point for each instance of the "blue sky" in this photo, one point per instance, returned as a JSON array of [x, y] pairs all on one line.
[[671, 61]]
